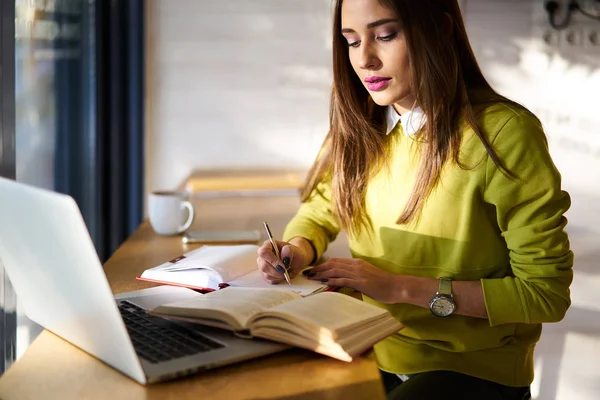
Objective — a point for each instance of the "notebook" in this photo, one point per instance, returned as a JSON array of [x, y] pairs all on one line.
[[210, 268]]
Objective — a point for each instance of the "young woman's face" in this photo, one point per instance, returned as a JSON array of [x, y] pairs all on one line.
[[378, 52]]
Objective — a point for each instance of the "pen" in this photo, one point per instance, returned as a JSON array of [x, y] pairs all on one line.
[[276, 250]]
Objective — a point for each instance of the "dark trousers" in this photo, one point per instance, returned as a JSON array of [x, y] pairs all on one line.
[[436, 385]]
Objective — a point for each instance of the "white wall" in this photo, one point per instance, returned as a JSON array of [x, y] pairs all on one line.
[[561, 84], [245, 83], [236, 83]]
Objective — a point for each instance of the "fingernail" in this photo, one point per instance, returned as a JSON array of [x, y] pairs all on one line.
[[280, 269], [324, 280], [306, 272], [286, 262], [311, 274]]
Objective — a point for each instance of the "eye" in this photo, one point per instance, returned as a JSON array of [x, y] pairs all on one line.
[[387, 38], [354, 44]]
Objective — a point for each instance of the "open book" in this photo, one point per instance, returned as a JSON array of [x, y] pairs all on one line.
[[207, 267], [329, 323]]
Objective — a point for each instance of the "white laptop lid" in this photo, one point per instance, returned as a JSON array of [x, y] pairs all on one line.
[[52, 263]]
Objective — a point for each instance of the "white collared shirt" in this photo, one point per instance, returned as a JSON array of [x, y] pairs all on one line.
[[411, 121]]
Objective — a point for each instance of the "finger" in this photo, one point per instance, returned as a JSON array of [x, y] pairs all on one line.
[[265, 251], [268, 269], [334, 263], [279, 243], [342, 282], [271, 280], [345, 261], [267, 248], [292, 272], [266, 254], [269, 274], [291, 257], [332, 273], [267, 244]]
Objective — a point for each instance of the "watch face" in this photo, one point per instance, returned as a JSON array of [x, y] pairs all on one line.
[[442, 307]]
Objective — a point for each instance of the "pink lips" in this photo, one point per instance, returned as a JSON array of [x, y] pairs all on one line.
[[376, 83]]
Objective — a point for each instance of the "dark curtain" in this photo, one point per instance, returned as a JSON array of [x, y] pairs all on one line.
[[8, 300], [99, 143]]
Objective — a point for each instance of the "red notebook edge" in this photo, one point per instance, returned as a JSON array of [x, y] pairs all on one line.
[[203, 289], [196, 288]]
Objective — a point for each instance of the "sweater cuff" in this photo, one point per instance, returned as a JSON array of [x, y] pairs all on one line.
[[317, 239], [503, 301]]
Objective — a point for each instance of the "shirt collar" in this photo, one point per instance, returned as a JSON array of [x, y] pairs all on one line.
[[411, 121]]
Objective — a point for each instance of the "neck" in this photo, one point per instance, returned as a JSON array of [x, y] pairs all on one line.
[[405, 105]]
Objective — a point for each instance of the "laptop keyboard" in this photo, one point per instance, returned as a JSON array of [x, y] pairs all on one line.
[[158, 340]]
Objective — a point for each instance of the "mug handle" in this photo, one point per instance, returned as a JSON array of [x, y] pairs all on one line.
[[192, 214]]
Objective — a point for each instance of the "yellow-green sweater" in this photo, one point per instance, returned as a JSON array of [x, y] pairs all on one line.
[[478, 224]]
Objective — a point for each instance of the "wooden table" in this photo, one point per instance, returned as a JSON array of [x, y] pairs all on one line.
[[54, 369]]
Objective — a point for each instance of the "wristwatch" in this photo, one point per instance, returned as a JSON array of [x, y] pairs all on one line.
[[442, 305]]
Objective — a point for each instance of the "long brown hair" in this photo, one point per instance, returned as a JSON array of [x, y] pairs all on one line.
[[444, 71]]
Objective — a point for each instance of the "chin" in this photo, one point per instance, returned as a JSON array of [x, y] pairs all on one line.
[[383, 99]]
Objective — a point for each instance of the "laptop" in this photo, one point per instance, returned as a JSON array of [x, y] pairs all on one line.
[[54, 268]]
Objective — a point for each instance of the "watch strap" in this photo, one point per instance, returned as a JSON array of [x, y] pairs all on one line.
[[445, 286]]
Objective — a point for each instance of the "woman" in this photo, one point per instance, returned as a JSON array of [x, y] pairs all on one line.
[[452, 204]]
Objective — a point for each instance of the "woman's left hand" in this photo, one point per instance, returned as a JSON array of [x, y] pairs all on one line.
[[360, 275]]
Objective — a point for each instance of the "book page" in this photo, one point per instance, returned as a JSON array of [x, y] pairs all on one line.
[[299, 284], [198, 278], [239, 303], [333, 324], [330, 310], [229, 262]]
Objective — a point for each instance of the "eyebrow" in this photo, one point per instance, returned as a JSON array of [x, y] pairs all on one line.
[[372, 25]]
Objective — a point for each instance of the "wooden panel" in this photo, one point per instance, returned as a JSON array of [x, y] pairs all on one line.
[[248, 180]]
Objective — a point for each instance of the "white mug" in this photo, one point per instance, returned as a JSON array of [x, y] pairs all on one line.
[[170, 212]]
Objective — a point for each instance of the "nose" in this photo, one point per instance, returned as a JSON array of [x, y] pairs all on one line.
[[368, 57]]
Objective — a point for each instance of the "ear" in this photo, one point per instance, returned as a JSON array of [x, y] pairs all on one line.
[[448, 24]]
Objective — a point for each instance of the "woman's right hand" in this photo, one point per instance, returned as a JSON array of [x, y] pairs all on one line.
[[293, 259]]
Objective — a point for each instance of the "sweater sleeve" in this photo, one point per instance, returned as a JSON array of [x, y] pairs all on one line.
[[315, 220], [530, 211]]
